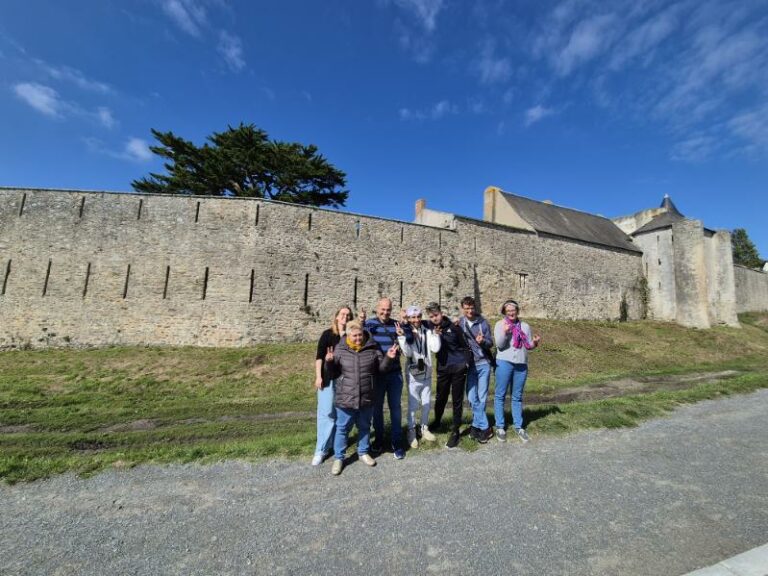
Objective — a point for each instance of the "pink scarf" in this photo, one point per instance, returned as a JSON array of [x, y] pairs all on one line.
[[519, 338]]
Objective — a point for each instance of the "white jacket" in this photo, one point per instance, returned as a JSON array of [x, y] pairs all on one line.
[[429, 344]]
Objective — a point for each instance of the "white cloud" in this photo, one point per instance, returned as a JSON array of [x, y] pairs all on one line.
[[188, 15], [426, 11], [137, 150], [437, 111], [231, 48], [105, 117], [588, 39], [695, 149], [74, 76], [537, 113], [491, 68], [752, 127], [42, 98]]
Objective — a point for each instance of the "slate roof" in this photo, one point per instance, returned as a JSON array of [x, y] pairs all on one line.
[[664, 220], [568, 223]]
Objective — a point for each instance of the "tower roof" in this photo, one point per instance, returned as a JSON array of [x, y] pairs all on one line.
[[663, 220]]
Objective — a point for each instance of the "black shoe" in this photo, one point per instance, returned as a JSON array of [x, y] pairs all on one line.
[[488, 433], [453, 440], [376, 448], [479, 435]]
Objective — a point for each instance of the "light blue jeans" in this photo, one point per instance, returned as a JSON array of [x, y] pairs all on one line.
[[345, 419], [326, 419], [389, 384], [478, 378], [514, 376]]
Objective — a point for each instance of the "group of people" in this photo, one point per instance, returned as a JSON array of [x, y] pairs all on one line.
[[358, 367]]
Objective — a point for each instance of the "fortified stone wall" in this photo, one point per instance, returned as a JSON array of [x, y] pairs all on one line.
[[95, 268], [751, 290]]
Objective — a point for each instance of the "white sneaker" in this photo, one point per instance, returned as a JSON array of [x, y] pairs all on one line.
[[317, 459], [337, 467], [523, 435], [412, 440], [367, 459], [426, 434]]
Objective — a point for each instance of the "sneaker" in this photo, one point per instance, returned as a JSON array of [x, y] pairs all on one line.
[[479, 435], [317, 459], [413, 442], [377, 447], [426, 434], [523, 435], [453, 440], [501, 435], [366, 459], [488, 433], [338, 466], [399, 453]]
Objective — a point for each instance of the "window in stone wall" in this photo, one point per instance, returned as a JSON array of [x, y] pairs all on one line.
[[197, 212], [205, 283], [522, 279], [250, 290], [82, 207], [138, 212], [23, 201], [127, 279], [306, 290], [357, 228], [354, 294]]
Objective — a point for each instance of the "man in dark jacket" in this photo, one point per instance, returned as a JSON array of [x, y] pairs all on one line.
[[451, 369], [354, 365]]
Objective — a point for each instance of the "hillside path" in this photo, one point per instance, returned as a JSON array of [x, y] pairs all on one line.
[[671, 496]]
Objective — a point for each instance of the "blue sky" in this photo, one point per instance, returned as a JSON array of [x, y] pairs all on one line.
[[603, 106]]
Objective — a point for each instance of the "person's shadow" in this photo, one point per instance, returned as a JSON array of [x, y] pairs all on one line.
[[538, 412]]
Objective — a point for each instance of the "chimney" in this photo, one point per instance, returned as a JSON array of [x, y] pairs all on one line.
[[420, 205]]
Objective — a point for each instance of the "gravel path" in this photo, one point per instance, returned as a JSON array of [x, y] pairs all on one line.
[[666, 498]]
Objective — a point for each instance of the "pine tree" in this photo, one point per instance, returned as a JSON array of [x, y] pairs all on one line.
[[243, 161], [744, 251]]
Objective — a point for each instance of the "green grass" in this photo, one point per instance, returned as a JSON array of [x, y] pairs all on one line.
[[84, 410]]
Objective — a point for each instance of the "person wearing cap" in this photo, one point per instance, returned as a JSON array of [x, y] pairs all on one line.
[[513, 341], [418, 371]]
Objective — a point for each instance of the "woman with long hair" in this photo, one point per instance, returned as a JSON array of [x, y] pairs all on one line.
[[326, 412], [513, 341]]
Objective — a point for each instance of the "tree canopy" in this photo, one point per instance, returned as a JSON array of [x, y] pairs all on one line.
[[744, 251], [243, 161]]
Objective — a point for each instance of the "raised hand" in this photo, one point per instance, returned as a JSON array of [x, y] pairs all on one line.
[[362, 315], [392, 352], [507, 328], [438, 329], [399, 329], [536, 340], [329, 354], [403, 316]]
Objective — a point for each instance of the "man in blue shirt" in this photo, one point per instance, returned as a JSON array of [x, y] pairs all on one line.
[[384, 330]]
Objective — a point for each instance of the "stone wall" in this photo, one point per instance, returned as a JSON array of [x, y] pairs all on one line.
[[751, 290], [95, 268]]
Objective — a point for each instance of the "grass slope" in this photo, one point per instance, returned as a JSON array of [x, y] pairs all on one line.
[[83, 410]]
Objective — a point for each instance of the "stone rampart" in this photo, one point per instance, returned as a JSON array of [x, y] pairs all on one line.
[[751, 290], [96, 268]]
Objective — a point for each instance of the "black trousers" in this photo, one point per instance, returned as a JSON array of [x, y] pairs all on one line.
[[450, 380]]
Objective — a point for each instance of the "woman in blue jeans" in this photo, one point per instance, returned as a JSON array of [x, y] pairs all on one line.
[[513, 340], [326, 412]]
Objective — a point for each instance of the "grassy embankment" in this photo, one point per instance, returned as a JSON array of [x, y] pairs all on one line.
[[84, 410]]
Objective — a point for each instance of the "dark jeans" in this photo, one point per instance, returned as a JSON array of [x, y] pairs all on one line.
[[450, 380]]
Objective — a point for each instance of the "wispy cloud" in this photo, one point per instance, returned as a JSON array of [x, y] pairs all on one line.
[[74, 76], [133, 150], [492, 68], [137, 150], [105, 117], [425, 11], [42, 98], [536, 114], [439, 110], [231, 48], [188, 15]]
